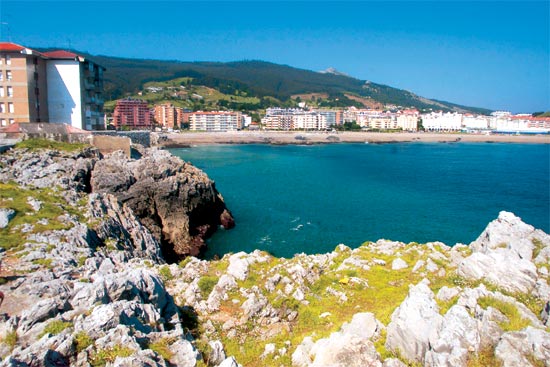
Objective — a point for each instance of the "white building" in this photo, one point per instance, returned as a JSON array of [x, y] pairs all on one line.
[[75, 87], [215, 121], [439, 121], [407, 120], [479, 122]]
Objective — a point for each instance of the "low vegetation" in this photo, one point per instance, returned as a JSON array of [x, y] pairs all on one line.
[[36, 144], [101, 357]]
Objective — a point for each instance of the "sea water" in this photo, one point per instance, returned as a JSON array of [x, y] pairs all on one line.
[[292, 199]]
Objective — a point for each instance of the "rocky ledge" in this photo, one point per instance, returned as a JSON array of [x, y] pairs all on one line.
[[86, 284], [176, 201]]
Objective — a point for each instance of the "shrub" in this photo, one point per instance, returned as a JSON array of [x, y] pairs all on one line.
[[165, 273], [206, 285], [82, 341], [103, 356], [10, 339], [35, 144], [162, 347]]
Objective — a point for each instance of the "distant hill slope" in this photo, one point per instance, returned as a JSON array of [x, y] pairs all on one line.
[[257, 78]]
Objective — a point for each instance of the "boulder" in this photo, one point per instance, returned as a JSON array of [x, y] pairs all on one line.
[[515, 348], [5, 216], [413, 322]]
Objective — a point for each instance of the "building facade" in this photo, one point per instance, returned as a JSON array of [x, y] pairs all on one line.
[[215, 121], [56, 87], [23, 90], [75, 90], [133, 114]]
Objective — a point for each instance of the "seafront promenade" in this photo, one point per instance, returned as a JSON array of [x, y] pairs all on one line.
[[297, 137]]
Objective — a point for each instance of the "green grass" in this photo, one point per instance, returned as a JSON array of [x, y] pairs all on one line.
[[82, 341], [47, 263], [55, 327], [10, 339], [35, 144], [162, 347], [103, 356], [484, 358], [165, 273], [13, 196], [206, 285], [515, 321]]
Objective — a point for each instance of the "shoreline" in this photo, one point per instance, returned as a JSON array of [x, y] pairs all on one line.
[[187, 139]]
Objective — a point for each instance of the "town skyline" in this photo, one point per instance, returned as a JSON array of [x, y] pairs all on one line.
[[462, 52]]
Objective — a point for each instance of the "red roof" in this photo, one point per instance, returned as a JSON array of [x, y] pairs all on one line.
[[8, 46], [61, 54]]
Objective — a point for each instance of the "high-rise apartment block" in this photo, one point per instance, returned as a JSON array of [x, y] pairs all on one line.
[[133, 114], [55, 87], [215, 121], [169, 116]]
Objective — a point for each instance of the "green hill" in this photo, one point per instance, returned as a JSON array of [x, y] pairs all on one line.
[[259, 79]]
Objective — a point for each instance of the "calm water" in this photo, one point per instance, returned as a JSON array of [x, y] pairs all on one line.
[[291, 199]]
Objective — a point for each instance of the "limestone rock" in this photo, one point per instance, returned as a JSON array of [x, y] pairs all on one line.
[[177, 202], [5, 216], [399, 264], [514, 347], [413, 322], [456, 336]]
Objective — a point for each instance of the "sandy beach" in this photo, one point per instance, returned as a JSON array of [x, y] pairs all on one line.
[[297, 137]]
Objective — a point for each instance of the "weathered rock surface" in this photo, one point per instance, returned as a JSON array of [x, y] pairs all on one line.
[[503, 254], [96, 284], [177, 202]]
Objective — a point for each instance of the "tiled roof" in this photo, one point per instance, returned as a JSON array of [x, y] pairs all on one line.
[[61, 54], [8, 46]]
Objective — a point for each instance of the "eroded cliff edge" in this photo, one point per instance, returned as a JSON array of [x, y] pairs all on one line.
[[85, 283], [177, 202]]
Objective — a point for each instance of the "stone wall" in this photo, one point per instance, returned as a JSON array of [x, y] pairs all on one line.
[[137, 137]]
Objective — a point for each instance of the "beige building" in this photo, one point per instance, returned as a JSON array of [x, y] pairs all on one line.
[[23, 89], [55, 87], [169, 116]]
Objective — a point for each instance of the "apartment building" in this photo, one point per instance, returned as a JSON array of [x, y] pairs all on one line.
[[56, 87], [439, 121], [298, 119], [215, 121], [75, 90], [169, 116], [407, 120], [23, 91], [133, 114]]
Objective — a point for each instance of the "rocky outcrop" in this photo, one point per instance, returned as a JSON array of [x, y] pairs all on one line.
[[177, 202], [503, 254], [89, 284]]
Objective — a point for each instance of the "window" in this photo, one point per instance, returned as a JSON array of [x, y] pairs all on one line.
[[12, 121], [8, 60], [2, 108], [3, 121], [8, 75], [1, 91], [10, 107], [1, 75], [10, 91]]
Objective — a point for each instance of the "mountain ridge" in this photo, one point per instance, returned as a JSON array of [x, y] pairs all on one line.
[[126, 76]]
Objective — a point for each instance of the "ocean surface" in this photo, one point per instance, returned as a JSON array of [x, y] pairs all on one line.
[[292, 199]]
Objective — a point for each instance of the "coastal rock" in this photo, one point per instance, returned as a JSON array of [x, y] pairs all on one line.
[[413, 322], [351, 346], [515, 348], [5, 216], [399, 264], [177, 202], [501, 267], [456, 336], [509, 232]]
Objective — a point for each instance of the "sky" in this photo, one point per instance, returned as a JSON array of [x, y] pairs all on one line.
[[492, 54]]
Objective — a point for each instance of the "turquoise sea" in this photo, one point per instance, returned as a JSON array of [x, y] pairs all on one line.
[[291, 199]]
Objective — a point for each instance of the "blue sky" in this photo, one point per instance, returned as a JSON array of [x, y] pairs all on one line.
[[487, 54]]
